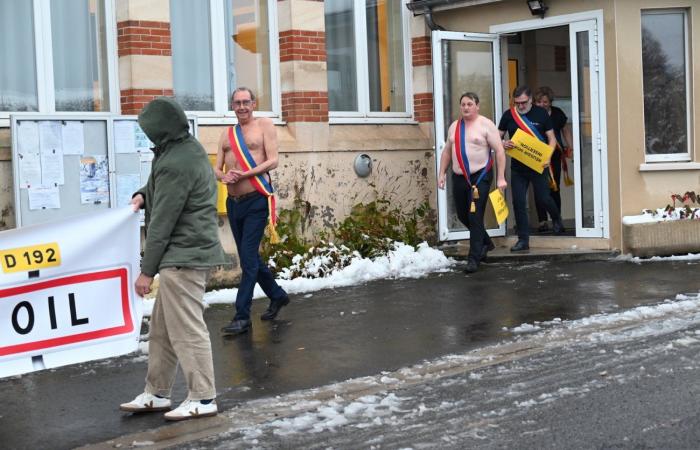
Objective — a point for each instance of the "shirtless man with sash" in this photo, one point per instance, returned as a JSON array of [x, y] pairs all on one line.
[[469, 143], [248, 151], [535, 121]]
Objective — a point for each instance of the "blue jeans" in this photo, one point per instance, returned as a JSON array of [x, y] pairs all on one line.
[[519, 180], [248, 219]]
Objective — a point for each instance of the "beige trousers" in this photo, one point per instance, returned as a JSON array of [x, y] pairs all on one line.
[[178, 333]]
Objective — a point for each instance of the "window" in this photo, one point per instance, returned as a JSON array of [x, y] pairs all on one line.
[[56, 55], [367, 51], [666, 85], [231, 44]]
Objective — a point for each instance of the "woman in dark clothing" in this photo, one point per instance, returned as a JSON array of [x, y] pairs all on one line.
[[544, 97]]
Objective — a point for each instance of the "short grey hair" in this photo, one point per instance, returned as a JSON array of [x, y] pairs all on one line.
[[243, 89]]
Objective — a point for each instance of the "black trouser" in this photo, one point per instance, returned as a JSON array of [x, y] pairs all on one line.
[[462, 195], [520, 178], [556, 169]]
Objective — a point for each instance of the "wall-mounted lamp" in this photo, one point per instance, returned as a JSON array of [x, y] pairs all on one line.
[[363, 165], [537, 7]]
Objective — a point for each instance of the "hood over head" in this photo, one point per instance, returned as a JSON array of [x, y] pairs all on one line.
[[163, 121]]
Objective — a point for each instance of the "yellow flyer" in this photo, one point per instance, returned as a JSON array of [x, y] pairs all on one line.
[[500, 208], [530, 151]]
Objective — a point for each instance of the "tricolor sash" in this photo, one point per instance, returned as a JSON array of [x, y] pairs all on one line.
[[247, 163], [528, 127], [463, 161]]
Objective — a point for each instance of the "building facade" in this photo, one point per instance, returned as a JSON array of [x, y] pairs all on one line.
[[381, 78]]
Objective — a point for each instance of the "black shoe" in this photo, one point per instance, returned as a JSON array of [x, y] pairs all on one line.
[[472, 266], [544, 226], [239, 326], [558, 227], [274, 309], [520, 246], [486, 249]]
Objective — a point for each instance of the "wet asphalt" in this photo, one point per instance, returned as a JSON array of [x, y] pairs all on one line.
[[337, 334]]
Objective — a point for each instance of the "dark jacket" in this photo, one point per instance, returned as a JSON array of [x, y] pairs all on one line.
[[180, 195]]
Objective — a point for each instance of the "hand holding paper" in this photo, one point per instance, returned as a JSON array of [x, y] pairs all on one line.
[[530, 151]]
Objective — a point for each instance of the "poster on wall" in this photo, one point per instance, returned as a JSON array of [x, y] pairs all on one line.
[[94, 179]]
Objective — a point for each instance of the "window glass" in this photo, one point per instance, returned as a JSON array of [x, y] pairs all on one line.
[[340, 54], [18, 90], [665, 82], [79, 55], [190, 30], [248, 49], [385, 56]]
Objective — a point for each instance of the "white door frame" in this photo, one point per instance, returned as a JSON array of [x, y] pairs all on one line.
[[444, 234], [602, 219]]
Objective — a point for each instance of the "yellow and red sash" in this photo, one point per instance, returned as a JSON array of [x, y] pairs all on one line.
[[247, 163], [528, 127]]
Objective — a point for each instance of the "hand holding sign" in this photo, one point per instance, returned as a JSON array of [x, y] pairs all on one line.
[[530, 151]]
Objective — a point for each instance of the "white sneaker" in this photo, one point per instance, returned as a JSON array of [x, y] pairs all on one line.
[[192, 409], [146, 403]]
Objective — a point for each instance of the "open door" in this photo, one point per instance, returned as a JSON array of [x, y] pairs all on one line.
[[463, 62], [587, 130]]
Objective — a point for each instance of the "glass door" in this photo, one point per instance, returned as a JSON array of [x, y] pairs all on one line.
[[585, 111], [463, 62]]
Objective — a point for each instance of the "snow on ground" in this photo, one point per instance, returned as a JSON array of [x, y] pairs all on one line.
[[385, 406], [660, 215], [405, 261]]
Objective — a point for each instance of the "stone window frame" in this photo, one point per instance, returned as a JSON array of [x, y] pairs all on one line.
[[363, 113], [222, 113], [43, 57], [684, 157]]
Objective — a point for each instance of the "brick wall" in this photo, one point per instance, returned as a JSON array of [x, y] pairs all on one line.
[[141, 37], [301, 45], [133, 100], [305, 106], [423, 107], [421, 50]]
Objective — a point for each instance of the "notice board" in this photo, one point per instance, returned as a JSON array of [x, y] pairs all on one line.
[[66, 164]]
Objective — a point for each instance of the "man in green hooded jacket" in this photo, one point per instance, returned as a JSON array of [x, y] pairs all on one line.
[[182, 244]]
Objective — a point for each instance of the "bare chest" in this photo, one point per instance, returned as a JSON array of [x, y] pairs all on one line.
[[254, 142]]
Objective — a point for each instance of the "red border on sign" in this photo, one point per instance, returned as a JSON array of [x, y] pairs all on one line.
[[128, 326]]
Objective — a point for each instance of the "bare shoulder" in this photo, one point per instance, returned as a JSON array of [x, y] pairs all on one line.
[[487, 123], [265, 123], [451, 130]]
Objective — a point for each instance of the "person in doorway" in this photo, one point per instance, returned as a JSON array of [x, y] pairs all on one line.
[[469, 145], [182, 244], [533, 120], [249, 152], [544, 96]]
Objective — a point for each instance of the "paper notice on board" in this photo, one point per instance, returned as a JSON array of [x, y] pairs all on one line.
[[124, 136], [28, 137], [50, 136], [52, 167], [44, 197], [94, 179], [127, 184], [142, 143], [146, 160], [29, 170], [73, 137]]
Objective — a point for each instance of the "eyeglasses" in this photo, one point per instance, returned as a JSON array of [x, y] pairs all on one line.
[[523, 103], [245, 103]]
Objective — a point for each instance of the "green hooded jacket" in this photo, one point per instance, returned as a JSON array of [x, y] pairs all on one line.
[[180, 195]]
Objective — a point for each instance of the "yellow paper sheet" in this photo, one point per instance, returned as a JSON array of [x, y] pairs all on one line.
[[500, 208], [530, 151]]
